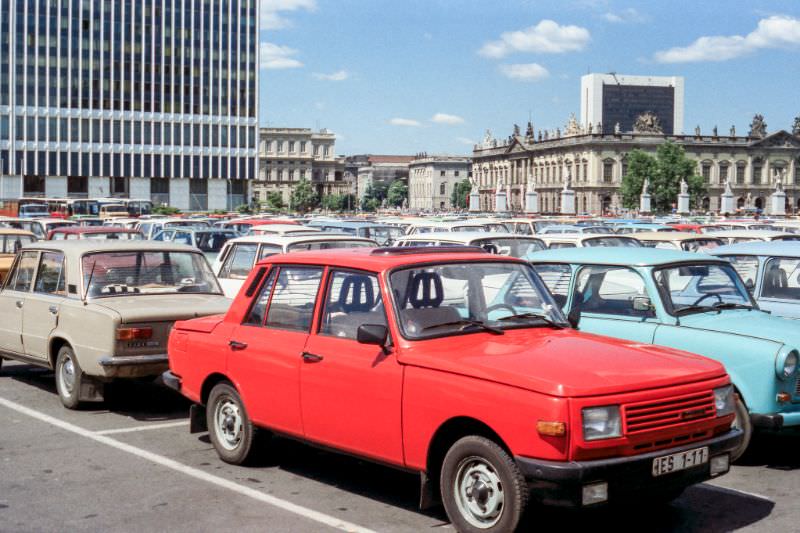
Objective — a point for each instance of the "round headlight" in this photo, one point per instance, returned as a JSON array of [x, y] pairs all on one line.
[[786, 364]]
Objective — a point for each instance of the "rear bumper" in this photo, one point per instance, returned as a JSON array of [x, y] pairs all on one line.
[[628, 478], [133, 366], [171, 380], [776, 421]]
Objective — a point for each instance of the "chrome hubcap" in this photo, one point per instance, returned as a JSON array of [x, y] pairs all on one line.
[[67, 375], [479, 492], [228, 424]]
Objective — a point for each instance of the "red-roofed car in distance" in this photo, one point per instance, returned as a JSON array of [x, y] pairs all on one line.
[[456, 364]]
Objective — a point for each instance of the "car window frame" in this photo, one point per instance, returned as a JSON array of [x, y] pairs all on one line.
[[314, 312], [322, 304], [572, 299], [224, 269], [763, 266], [63, 275], [13, 271]]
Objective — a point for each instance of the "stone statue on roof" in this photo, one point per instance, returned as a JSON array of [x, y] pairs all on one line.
[[758, 128], [645, 185], [572, 127], [529, 131], [647, 122], [732, 133], [516, 130], [617, 129]]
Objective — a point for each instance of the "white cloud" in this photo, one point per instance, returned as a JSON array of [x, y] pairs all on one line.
[[629, 15], [547, 37], [275, 56], [271, 18], [404, 122], [778, 31], [339, 75], [524, 71], [464, 140], [444, 118]]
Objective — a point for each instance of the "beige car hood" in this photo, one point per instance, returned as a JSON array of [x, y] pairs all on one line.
[[162, 308]]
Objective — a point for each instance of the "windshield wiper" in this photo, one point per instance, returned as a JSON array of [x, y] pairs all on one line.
[[466, 323], [731, 305], [689, 309], [542, 318]]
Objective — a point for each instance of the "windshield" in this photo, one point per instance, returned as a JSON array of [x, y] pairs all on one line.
[[115, 209], [459, 298], [107, 274], [510, 246], [114, 235], [213, 241], [700, 245], [700, 288], [328, 245], [612, 241], [34, 209], [385, 235], [10, 244]]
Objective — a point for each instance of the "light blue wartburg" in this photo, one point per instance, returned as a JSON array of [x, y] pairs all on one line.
[[689, 301]]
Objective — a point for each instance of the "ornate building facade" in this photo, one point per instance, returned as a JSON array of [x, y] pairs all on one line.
[[594, 163]]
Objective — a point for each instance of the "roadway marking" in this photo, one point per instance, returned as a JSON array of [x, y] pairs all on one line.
[[143, 428], [737, 491], [196, 473]]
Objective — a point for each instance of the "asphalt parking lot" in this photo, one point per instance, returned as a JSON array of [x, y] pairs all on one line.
[[131, 463]]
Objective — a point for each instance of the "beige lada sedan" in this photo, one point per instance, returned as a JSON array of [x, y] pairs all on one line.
[[97, 310]]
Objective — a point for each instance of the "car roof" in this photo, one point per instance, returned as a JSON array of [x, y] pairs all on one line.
[[617, 256], [295, 238], [465, 236], [14, 231], [345, 223], [782, 248], [381, 259], [575, 237], [672, 236], [82, 246], [92, 229], [749, 233]]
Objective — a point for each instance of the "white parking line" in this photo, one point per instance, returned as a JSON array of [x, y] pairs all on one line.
[[143, 428], [299, 510]]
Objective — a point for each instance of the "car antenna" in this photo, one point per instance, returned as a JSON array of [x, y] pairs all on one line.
[[89, 282]]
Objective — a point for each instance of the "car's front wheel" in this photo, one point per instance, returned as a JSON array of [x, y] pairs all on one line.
[[742, 421], [482, 488], [229, 427], [68, 378]]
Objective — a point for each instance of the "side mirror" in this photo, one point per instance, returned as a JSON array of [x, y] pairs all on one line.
[[643, 304], [375, 334], [574, 317], [750, 284]]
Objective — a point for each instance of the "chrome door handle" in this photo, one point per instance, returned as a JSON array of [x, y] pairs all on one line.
[[311, 357], [20, 303], [53, 310]]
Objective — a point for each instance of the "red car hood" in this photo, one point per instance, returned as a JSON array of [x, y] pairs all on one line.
[[562, 363]]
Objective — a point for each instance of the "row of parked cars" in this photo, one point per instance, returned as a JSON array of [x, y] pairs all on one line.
[[503, 372]]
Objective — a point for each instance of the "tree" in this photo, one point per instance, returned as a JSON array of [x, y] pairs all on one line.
[[275, 200], [459, 198], [165, 210], [665, 172], [397, 194], [304, 198], [373, 197]]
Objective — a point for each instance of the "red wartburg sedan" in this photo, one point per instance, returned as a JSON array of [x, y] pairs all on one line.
[[456, 364]]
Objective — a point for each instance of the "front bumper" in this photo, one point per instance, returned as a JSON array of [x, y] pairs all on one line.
[[776, 421], [629, 478], [133, 366]]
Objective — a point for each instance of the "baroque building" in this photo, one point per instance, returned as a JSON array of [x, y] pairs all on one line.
[[592, 163], [431, 180]]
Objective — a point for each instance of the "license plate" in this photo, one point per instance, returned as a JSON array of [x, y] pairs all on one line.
[[679, 461]]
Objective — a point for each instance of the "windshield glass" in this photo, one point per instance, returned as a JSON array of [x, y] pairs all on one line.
[[781, 279], [213, 241], [512, 247], [107, 274], [385, 235], [612, 241], [114, 235], [700, 288], [459, 298], [700, 245], [328, 245], [34, 209], [10, 244]]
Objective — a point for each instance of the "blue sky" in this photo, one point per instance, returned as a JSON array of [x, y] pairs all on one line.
[[401, 77]]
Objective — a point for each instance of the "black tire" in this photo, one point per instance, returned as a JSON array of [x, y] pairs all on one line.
[[69, 377], [229, 427], [742, 421], [502, 492]]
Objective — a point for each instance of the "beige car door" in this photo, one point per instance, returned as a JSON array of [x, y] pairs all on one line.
[[13, 298], [40, 314]]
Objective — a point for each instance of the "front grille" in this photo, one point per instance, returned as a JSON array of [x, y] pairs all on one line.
[[668, 412], [797, 387]]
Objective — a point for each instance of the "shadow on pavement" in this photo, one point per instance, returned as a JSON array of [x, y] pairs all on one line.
[[774, 451]]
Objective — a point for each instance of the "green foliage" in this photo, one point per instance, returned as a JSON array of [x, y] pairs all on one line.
[[275, 200], [665, 172], [166, 210], [374, 196], [397, 194], [459, 198], [244, 209], [339, 202], [304, 198]]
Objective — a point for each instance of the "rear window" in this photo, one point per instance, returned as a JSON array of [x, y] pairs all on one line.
[[328, 245]]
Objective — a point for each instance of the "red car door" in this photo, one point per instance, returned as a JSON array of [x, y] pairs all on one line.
[[266, 350], [350, 392]]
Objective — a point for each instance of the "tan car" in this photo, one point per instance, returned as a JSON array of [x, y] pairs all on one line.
[[11, 240], [678, 240], [97, 310]]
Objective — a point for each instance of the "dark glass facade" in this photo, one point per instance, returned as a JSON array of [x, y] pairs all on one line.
[[158, 89], [624, 103]]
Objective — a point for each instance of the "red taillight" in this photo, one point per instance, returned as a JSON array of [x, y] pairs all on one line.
[[130, 334]]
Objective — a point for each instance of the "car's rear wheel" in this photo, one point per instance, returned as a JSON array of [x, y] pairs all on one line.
[[742, 421], [229, 427], [482, 487], [68, 378]]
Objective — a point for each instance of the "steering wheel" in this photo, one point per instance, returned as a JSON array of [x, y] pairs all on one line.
[[501, 306], [703, 297]]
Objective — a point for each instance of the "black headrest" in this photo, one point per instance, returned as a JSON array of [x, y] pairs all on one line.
[[426, 290], [362, 294]]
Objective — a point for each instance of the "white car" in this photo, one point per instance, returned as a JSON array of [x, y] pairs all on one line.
[[238, 256], [587, 240], [493, 242]]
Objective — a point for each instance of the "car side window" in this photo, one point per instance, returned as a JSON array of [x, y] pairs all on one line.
[[609, 290], [259, 309], [556, 277], [354, 299], [747, 268], [268, 250], [557, 245], [23, 276], [50, 278], [240, 261], [782, 279], [293, 297]]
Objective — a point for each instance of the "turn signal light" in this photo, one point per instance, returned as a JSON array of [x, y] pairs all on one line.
[[551, 429], [784, 397], [131, 334]]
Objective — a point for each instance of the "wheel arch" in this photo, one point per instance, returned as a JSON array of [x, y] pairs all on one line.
[[56, 343], [210, 382], [451, 431]]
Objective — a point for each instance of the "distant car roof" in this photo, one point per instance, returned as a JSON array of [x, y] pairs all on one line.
[[91, 229], [774, 248], [465, 236], [672, 236], [295, 238], [764, 233], [83, 246], [14, 231], [260, 221], [617, 256]]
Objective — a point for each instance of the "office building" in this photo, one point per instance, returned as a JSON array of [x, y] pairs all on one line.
[[431, 180]]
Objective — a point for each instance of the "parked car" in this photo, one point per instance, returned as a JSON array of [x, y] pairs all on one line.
[[281, 229], [151, 227], [737, 236], [38, 226], [11, 240], [238, 256], [93, 232], [580, 240], [383, 234], [572, 229], [97, 310], [689, 301], [208, 241], [771, 271], [430, 226], [642, 228], [242, 226], [457, 365], [527, 226], [493, 242], [678, 240]]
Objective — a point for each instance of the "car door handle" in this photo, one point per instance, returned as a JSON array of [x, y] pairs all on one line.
[[311, 357], [20, 303], [236, 345], [53, 310]]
